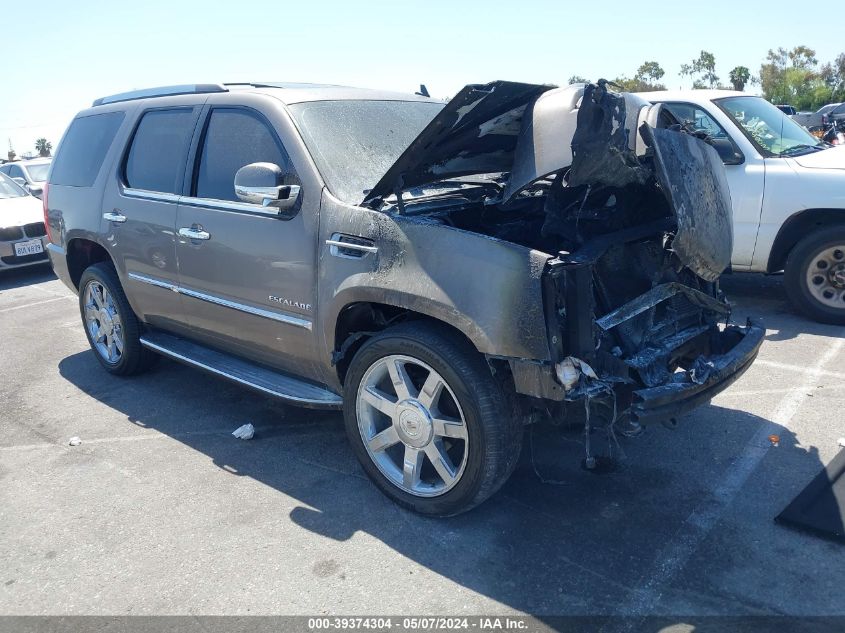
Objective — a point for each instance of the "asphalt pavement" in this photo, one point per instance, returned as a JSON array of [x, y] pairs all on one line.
[[161, 511]]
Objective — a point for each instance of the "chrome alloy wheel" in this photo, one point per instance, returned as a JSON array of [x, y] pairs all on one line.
[[103, 322], [412, 426], [826, 276]]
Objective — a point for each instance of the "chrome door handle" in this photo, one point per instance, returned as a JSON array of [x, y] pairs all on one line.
[[352, 246], [348, 249], [194, 234], [114, 216]]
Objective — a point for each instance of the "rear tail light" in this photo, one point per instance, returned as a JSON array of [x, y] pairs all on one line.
[[46, 212]]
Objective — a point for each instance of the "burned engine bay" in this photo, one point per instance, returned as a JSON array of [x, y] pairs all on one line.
[[635, 213]]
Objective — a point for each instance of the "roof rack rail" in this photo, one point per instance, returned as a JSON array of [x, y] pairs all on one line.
[[162, 91]]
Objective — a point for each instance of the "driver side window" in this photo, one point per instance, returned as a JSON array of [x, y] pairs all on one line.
[[701, 121], [234, 138]]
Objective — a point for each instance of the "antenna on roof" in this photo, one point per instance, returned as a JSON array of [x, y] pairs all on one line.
[[423, 91]]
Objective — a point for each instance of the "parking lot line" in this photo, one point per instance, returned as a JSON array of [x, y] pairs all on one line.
[[33, 304], [798, 368], [672, 558], [154, 436], [45, 288], [764, 392]]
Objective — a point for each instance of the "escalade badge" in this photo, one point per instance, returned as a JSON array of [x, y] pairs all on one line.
[[288, 303]]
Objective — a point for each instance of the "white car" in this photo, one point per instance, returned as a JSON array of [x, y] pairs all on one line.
[[21, 226], [29, 174], [787, 189]]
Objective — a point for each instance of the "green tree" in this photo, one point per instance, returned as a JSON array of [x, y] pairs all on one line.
[[645, 80], [702, 71], [739, 77], [803, 57], [833, 75], [793, 77], [43, 147], [577, 79], [650, 72]]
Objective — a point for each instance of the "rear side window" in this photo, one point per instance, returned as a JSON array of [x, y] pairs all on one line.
[[156, 160], [83, 149], [234, 138]]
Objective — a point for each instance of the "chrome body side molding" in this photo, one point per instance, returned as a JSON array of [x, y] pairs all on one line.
[[289, 319]]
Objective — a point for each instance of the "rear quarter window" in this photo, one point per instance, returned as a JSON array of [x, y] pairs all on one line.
[[156, 160], [83, 148]]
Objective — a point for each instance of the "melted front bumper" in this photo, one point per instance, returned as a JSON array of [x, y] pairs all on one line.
[[692, 388]]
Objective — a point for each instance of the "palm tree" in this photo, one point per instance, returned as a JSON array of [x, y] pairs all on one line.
[[739, 76], [43, 146]]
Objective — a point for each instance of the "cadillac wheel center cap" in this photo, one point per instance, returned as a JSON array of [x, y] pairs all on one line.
[[106, 320], [414, 424]]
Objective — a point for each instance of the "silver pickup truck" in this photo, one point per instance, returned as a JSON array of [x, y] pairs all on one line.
[[816, 120], [443, 273]]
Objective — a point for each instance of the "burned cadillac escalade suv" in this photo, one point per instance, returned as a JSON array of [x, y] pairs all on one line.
[[441, 273]]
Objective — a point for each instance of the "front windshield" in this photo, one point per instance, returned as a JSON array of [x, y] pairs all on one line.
[[10, 189], [355, 142], [38, 173], [773, 132]]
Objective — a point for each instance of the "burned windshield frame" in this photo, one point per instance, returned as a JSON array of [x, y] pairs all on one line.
[[812, 142]]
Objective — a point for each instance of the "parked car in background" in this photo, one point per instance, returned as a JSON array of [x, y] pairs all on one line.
[[788, 194], [441, 284], [815, 121], [29, 174], [787, 109], [834, 116], [21, 226]]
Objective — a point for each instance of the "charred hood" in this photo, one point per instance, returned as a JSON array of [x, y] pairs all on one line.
[[588, 139], [475, 133]]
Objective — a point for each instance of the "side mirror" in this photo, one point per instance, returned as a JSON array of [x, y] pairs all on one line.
[[261, 183], [727, 151]]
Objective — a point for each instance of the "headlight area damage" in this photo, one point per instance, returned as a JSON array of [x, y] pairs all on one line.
[[634, 312], [639, 214]]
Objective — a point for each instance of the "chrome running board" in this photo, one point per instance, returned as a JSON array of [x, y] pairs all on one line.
[[273, 383]]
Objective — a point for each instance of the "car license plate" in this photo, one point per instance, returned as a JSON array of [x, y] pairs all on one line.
[[31, 247]]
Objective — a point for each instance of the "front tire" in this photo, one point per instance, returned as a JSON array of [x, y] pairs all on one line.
[[111, 326], [815, 275], [428, 421]]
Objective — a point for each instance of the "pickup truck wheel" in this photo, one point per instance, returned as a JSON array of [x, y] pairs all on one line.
[[815, 275], [111, 326], [428, 421]]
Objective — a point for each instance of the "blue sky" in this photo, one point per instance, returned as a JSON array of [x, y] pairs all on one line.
[[68, 53]]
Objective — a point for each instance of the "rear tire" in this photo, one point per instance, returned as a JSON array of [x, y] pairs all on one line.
[[417, 394], [112, 329], [815, 275]]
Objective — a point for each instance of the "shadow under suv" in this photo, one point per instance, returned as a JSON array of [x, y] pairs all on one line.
[[443, 273]]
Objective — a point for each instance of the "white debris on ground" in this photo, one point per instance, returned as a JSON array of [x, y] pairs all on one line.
[[75, 441], [245, 432]]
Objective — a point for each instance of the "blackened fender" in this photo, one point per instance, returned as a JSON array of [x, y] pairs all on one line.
[[488, 289]]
